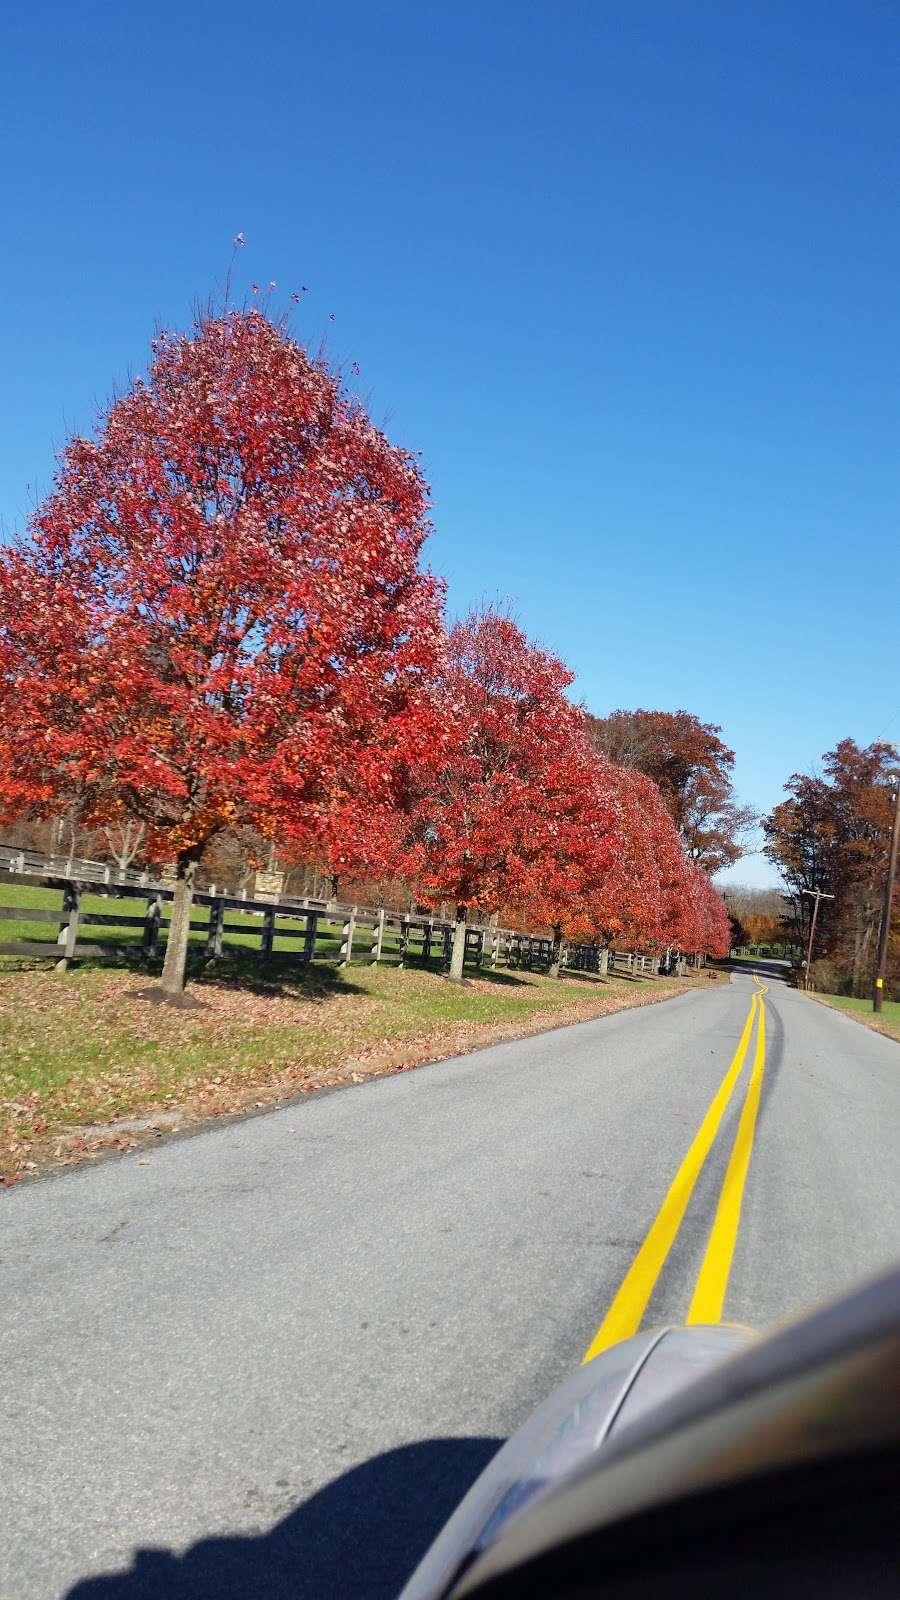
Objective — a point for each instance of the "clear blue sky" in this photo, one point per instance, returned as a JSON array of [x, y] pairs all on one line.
[[628, 275]]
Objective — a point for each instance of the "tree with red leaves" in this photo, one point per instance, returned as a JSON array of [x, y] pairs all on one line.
[[579, 825], [494, 785], [625, 903], [219, 608]]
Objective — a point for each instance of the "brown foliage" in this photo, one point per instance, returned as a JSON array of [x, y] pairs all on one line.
[[833, 833]]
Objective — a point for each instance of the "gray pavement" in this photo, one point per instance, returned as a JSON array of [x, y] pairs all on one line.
[[270, 1361]]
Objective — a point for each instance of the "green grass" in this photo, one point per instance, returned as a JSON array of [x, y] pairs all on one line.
[[886, 1021]]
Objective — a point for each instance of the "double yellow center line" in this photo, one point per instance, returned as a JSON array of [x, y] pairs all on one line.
[[624, 1315]]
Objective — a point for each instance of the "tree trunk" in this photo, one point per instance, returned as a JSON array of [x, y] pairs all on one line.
[[172, 981], [458, 952], [556, 952]]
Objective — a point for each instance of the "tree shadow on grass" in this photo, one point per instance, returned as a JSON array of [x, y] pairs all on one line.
[[517, 978], [360, 1537], [279, 979]]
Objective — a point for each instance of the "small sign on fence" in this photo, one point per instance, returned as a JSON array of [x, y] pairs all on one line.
[[266, 885]]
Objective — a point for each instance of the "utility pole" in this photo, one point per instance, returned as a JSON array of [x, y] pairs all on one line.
[[818, 894], [881, 965]]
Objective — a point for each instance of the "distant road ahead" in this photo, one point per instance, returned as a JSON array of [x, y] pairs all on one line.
[[275, 1355]]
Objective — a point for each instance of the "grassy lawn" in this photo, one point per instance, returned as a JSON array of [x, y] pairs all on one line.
[[888, 1021], [81, 1050]]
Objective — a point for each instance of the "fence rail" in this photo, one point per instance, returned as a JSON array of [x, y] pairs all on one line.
[[278, 927]]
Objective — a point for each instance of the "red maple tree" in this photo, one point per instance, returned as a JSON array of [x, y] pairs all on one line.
[[494, 782], [220, 611], [579, 827]]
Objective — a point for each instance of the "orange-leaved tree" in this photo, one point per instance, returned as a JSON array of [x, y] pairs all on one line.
[[219, 604]]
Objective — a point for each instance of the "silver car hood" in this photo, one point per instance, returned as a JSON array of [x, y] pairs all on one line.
[[571, 1427]]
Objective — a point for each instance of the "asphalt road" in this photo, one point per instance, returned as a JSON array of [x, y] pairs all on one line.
[[270, 1361]]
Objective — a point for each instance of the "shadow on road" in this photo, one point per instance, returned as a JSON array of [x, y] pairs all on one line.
[[361, 1537]]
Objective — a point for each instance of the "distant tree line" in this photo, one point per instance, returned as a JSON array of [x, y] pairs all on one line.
[[758, 919]]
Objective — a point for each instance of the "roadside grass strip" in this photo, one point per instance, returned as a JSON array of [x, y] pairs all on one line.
[[627, 1309]]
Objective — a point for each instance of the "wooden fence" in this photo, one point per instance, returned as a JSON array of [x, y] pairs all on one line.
[[298, 931]]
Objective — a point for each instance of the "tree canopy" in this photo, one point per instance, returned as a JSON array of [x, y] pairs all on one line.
[[692, 768], [833, 833]]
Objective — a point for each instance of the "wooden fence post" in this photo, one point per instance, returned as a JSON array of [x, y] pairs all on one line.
[[426, 944], [216, 927], [404, 941], [268, 933], [377, 938], [309, 940], [495, 946], [151, 927], [347, 946], [68, 930]]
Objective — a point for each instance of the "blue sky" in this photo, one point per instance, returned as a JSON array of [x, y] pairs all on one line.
[[627, 275]]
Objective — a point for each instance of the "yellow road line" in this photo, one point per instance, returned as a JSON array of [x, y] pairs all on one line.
[[624, 1315], [712, 1283]]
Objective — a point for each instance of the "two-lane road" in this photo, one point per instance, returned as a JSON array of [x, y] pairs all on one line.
[[274, 1356]]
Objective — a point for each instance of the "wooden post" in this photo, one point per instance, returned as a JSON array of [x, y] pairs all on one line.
[[377, 938], [426, 944], [216, 926], [151, 927], [347, 946], [404, 941], [268, 933], [495, 946], [309, 941], [68, 930]]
